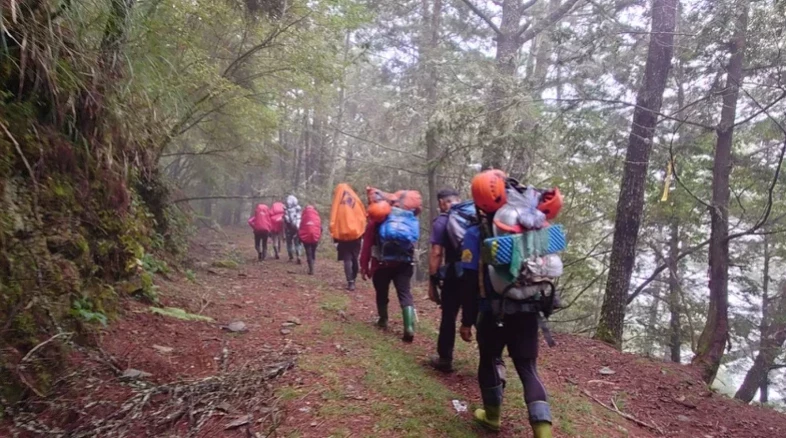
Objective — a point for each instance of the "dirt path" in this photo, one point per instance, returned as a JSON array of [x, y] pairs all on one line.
[[311, 364]]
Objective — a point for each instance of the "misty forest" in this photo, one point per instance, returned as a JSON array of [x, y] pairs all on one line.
[[137, 136]]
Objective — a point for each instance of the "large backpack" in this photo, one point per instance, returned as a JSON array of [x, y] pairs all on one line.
[[310, 230], [261, 220], [292, 213], [277, 217], [460, 217], [347, 214], [397, 236]]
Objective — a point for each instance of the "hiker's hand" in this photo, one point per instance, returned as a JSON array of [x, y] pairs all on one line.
[[364, 274], [432, 293], [466, 333]]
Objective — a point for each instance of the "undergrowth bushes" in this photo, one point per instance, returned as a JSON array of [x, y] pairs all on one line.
[[84, 216]]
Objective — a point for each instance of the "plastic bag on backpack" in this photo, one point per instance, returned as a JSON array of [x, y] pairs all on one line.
[[548, 266], [526, 205]]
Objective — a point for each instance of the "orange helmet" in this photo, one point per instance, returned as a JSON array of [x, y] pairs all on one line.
[[488, 190], [379, 210], [550, 203]]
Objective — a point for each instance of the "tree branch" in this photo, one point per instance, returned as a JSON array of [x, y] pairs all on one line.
[[202, 198], [482, 16], [527, 33]]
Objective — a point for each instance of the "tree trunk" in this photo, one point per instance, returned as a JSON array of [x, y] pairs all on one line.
[[342, 92], [769, 349], [712, 342], [764, 388], [652, 320], [504, 79], [631, 199], [430, 84], [510, 37], [675, 325]]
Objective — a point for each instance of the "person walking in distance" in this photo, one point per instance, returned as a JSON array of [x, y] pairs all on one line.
[[262, 225], [448, 276], [309, 233], [387, 255], [292, 216], [347, 225]]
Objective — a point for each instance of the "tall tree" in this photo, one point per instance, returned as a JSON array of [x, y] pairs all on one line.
[[631, 199], [675, 325], [712, 342], [432, 13], [511, 35], [770, 346]]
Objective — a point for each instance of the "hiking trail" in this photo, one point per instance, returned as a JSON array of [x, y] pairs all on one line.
[[292, 355]]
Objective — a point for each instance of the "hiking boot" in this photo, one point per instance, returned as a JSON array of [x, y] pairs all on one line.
[[382, 322], [298, 261], [541, 430], [440, 364], [277, 258], [408, 314], [351, 286], [259, 256], [488, 417]]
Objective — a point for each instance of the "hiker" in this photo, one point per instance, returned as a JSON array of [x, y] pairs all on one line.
[[509, 316], [291, 226], [277, 220], [393, 238], [448, 276], [310, 232], [261, 224], [347, 225]]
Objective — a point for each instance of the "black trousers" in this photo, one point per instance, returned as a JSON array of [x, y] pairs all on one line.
[[293, 242], [401, 276], [311, 255], [457, 294], [261, 237], [520, 334], [348, 252]]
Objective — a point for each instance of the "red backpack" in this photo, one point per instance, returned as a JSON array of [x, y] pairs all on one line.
[[277, 217], [261, 220], [310, 226]]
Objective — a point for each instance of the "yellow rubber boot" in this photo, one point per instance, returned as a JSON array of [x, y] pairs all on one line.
[[488, 417], [541, 430]]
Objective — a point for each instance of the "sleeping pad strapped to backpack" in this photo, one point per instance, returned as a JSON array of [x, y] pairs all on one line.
[[397, 236]]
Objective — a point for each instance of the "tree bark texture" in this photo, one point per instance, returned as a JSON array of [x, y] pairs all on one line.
[[631, 199], [769, 349], [712, 342], [675, 324], [432, 14]]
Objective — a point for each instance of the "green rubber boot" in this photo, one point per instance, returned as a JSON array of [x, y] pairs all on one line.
[[488, 417], [541, 430], [409, 323]]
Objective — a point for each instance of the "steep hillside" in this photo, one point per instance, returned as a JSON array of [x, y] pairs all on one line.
[[310, 363]]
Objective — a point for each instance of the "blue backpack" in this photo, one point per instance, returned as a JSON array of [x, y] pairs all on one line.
[[398, 235], [461, 216]]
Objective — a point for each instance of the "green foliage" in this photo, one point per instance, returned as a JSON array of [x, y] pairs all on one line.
[[152, 265], [83, 309], [175, 312]]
